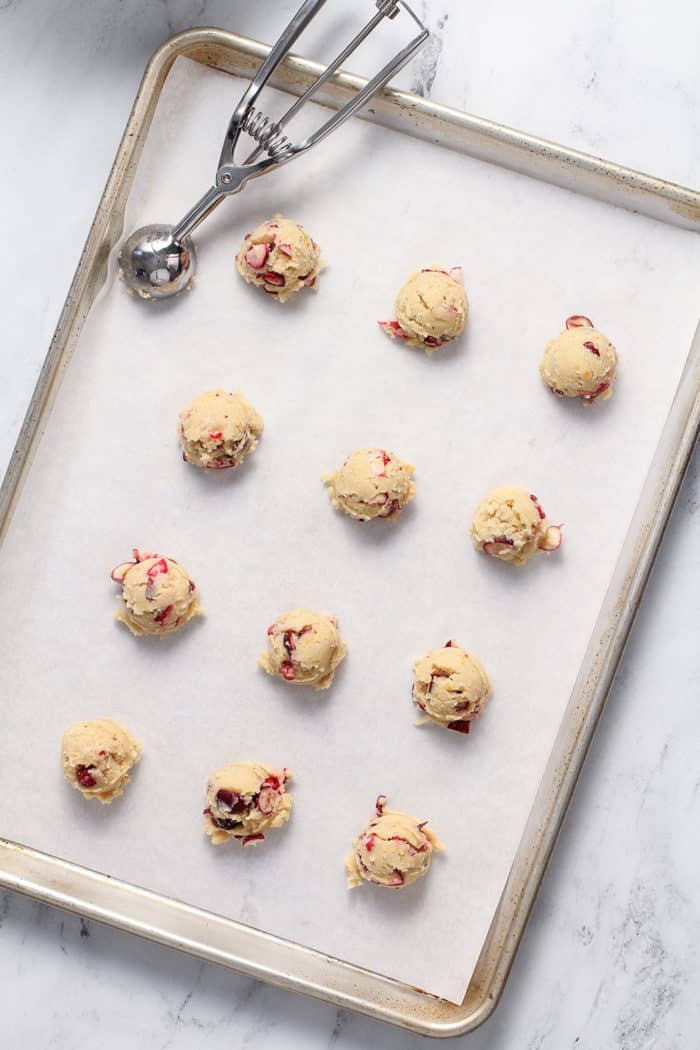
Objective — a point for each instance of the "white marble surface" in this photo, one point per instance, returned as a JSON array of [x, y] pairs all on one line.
[[611, 957]]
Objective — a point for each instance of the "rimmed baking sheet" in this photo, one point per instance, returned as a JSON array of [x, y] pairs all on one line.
[[325, 381]]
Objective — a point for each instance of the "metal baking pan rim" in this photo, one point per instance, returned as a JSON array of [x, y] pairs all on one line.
[[120, 904]]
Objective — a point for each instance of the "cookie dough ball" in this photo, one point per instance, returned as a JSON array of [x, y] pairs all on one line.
[[450, 687], [244, 800], [431, 309], [510, 524], [372, 483], [580, 362], [98, 757], [280, 257], [303, 648], [158, 597], [218, 430], [394, 850]]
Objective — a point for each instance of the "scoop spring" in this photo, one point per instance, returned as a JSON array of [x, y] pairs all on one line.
[[266, 132]]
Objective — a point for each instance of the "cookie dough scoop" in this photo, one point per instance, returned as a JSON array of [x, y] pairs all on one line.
[[431, 309], [372, 483], [279, 257], [158, 261], [450, 687], [218, 430], [303, 648], [581, 362], [394, 850], [509, 524], [244, 800], [157, 597], [97, 758]]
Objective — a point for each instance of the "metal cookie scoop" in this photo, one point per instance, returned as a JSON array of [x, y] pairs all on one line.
[[158, 261]]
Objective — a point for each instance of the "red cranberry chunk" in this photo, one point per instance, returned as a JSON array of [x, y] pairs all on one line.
[[539, 509], [157, 569], [230, 800], [271, 277], [578, 321], [247, 839], [225, 823], [256, 256], [84, 776], [267, 800], [288, 641]]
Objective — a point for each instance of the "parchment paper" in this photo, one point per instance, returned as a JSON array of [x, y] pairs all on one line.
[[109, 476]]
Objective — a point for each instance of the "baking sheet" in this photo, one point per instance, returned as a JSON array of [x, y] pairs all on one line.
[[108, 476]]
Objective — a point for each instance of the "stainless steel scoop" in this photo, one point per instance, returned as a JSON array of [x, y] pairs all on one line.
[[158, 261]]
